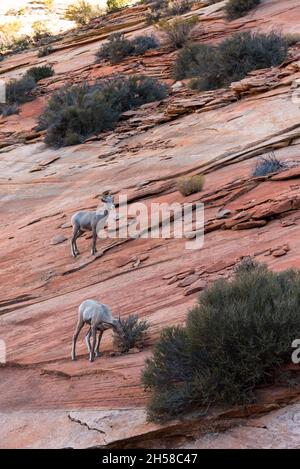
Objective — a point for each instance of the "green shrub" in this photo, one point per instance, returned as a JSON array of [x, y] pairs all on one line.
[[118, 47], [188, 185], [267, 165], [133, 333], [177, 30], [231, 60], [83, 110], [235, 338], [41, 72], [237, 8]]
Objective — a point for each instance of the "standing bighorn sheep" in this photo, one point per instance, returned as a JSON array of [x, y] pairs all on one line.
[[100, 318], [90, 221]]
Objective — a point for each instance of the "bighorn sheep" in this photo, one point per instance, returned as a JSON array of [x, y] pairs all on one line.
[[91, 221], [99, 317]]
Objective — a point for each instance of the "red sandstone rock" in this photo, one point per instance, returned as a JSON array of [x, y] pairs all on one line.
[[188, 280], [279, 253], [196, 287], [248, 225]]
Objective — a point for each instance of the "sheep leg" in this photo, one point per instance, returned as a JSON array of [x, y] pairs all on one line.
[[94, 248], [88, 341], [94, 333], [74, 250], [78, 234], [79, 326], [98, 353]]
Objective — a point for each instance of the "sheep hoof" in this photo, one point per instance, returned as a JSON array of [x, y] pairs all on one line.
[[98, 354]]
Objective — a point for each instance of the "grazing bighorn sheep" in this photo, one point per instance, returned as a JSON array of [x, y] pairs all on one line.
[[91, 221], [100, 318]]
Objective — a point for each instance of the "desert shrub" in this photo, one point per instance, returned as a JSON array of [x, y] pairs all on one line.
[[75, 112], [18, 91], [82, 12], [237, 335], [188, 185], [40, 72], [177, 30], [9, 109], [247, 264], [231, 60], [178, 7], [46, 50], [267, 165], [118, 47], [292, 39], [40, 30], [133, 333], [115, 5], [158, 9], [237, 8], [193, 60], [143, 43]]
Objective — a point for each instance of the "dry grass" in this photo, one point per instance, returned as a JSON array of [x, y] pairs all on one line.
[[190, 184]]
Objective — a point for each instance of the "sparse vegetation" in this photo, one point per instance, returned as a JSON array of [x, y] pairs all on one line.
[[177, 30], [40, 72], [20, 91], [40, 30], [247, 264], [75, 112], [133, 333], [118, 47], [46, 50], [231, 60], [188, 185], [267, 165], [178, 7], [82, 12], [115, 5], [236, 8], [234, 340], [158, 9]]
